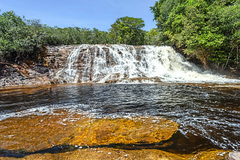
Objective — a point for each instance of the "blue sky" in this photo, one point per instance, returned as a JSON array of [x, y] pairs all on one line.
[[81, 13]]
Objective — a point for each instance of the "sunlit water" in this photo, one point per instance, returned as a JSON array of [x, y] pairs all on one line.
[[208, 117], [132, 64]]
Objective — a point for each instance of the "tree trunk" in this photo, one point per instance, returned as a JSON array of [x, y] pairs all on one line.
[[237, 58], [226, 62], [204, 60]]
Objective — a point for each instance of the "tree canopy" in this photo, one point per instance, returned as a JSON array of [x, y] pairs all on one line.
[[127, 30], [19, 37], [22, 39], [209, 30], [206, 29]]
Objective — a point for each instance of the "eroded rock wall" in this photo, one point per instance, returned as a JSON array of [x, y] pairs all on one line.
[[30, 73], [55, 60]]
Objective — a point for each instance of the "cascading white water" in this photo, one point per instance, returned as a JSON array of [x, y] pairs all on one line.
[[132, 64], [69, 73]]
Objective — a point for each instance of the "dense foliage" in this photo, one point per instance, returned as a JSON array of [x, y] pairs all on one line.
[[19, 38], [22, 39], [209, 30], [127, 30], [156, 37], [74, 35], [206, 29]]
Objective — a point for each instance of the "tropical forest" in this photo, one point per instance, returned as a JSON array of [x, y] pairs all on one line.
[[169, 92]]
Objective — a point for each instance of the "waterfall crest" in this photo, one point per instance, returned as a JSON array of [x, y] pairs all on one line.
[[132, 64]]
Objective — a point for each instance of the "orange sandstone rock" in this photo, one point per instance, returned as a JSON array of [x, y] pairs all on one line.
[[138, 130], [35, 133], [111, 153]]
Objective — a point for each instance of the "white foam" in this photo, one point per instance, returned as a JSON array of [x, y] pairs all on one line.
[[50, 110], [121, 63]]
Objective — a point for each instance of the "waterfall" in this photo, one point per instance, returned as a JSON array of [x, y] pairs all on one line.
[[132, 64]]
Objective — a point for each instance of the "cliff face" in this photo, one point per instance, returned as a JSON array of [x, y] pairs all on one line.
[[55, 69], [57, 56], [107, 64], [30, 73]]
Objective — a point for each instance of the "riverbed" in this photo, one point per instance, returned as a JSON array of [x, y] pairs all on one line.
[[208, 115]]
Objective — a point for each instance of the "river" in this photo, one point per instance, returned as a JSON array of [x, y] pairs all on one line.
[[142, 81], [208, 115]]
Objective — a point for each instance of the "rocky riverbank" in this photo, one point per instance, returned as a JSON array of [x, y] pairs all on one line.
[[21, 75], [92, 64], [30, 73]]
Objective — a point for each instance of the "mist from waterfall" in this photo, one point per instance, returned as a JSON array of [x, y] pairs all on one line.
[[132, 64]]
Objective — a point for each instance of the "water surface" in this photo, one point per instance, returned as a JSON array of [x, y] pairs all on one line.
[[208, 117]]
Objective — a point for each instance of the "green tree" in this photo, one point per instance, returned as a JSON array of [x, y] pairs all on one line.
[[156, 37], [127, 30], [19, 38], [74, 35], [161, 11], [99, 37], [206, 29]]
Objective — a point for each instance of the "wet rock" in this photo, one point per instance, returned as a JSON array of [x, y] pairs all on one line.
[[209, 155], [56, 60], [106, 153], [35, 133], [17, 75], [138, 130], [111, 153], [35, 73], [233, 156]]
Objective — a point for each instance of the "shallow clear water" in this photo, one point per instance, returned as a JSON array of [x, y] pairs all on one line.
[[208, 117]]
